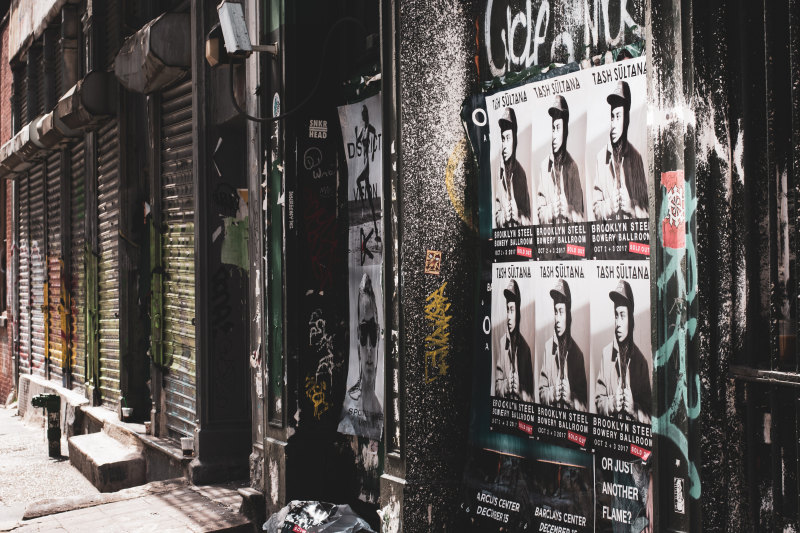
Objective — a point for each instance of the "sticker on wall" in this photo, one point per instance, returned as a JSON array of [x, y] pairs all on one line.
[[673, 226], [433, 262], [276, 105]]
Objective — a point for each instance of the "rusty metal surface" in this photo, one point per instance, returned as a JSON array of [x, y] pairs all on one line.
[[38, 267], [108, 183], [54, 261], [77, 154], [24, 276], [178, 258]]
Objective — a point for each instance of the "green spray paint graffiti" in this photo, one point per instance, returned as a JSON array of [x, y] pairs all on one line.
[[677, 292]]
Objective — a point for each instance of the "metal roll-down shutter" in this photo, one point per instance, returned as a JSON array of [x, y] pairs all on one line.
[[177, 252], [55, 261], [24, 280], [108, 182], [38, 265], [77, 251]]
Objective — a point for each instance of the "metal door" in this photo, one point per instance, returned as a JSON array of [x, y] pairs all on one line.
[[108, 181], [24, 280], [177, 253], [38, 262], [55, 264], [78, 274]]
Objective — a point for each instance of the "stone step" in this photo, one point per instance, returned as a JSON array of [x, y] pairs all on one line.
[[107, 463]]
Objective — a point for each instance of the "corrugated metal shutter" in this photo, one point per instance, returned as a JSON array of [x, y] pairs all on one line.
[[177, 215], [54, 264], [38, 255], [108, 264], [24, 279], [77, 251], [113, 31]]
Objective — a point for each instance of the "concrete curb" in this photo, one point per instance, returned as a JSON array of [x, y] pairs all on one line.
[[52, 506]]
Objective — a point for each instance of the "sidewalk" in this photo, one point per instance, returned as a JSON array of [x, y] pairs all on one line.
[[40, 494], [27, 474]]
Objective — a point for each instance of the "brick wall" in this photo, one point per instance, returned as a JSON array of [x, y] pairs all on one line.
[[6, 356], [5, 87]]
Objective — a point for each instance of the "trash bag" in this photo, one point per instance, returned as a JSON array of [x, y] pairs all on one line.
[[316, 517]]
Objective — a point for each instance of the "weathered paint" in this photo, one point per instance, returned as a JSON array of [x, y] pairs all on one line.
[[234, 246]]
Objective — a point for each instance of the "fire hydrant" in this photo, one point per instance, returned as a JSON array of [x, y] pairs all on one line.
[[52, 404]]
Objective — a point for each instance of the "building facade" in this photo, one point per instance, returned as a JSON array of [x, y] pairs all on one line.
[[298, 259]]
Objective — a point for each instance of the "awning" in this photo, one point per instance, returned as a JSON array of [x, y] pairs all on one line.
[[85, 106], [155, 56], [88, 103], [51, 132], [11, 157]]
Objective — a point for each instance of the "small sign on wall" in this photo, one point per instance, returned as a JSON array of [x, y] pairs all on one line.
[[433, 262]]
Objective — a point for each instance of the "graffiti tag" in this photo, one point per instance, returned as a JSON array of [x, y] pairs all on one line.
[[518, 35], [316, 392], [437, 343]]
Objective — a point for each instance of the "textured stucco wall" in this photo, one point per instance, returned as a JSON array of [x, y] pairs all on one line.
[[437, 71]]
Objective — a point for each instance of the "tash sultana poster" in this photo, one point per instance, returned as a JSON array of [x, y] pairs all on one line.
[[362, 413], [564, 362], [563, 330]]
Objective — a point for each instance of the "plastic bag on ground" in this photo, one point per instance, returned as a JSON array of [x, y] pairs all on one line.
[[316, 517]]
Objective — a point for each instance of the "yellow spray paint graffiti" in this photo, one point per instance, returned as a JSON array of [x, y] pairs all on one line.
[[316, 391], [65, 315], [437, 343]]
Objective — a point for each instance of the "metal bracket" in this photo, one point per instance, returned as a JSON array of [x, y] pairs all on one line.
[[271, 48]]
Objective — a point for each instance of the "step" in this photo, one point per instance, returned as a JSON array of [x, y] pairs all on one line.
[[107, 463]]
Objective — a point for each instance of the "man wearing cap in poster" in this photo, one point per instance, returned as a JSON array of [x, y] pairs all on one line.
[[623, 383], [512, 200], [560, 197], [562, 380], [513, 375], [620, 186]]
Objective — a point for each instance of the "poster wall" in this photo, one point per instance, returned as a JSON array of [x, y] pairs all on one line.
[[362, 411], [564, 355]]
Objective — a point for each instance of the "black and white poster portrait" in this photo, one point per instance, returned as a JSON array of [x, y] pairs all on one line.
[[616, 164], [622, 359], [513, 297], [362, 411], [510, 137], [562, 352], [512, 382], [562, 330], [558, 141]]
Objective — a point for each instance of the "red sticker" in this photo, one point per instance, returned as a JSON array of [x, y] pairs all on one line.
[[643, 454], [298, 529], [527, 428], [638, 248], [674, 224], [524, 252], [576, 438], [573, 249]]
